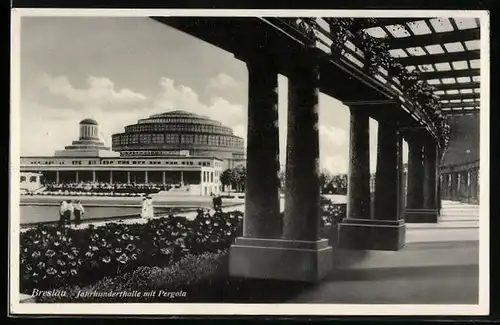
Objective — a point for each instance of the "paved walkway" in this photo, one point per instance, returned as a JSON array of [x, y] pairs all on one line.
[[439, 265]]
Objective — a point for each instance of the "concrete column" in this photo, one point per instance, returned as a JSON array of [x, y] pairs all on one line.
[[111, 177], [182, 178], [386, 177], [298, 255], [93, 176], [302, 187], [386, 231], [401, 178], [57, 177], [262, 219], [463, 184], [163, 178], [454, 186], [421, 204], [146, 177], [76, 176], [128, 177], [430, 170], [473, 182], [358, 190], [415, 174]]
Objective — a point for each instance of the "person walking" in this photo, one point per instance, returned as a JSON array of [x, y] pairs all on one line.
[[69, 213], [214, 202], [150, 210], [78, 212], [62, 213], [144, 212]]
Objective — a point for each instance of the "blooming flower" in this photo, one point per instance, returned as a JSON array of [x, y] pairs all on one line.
[[62, 263], [50, 253], [123, 259], [118, 250], [125, 236], [106, 259], [35, 254], [73, 272], [130, 247]]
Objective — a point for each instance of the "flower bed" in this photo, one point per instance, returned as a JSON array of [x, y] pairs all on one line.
[[54, 258], [51, 257], [186, 279]]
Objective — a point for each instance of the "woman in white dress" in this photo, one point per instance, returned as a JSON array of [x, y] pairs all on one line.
[[150, 210], [144, 212]]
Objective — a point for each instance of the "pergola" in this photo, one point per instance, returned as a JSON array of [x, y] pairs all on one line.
[[314, 58], [445, 50]]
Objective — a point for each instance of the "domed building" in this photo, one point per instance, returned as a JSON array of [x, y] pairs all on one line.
[[177, 148], [180, 133], [88, 143]]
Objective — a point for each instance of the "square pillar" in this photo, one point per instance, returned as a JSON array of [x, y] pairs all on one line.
[[430, 182], [76, 176], [445, 185], [163, 180], [111, 177], [128, 177], [93, 176], [146, 177], [182, 178], [454, 187], [386, 231], [358, 184], [415, 211], [299, 255], [57, 177]]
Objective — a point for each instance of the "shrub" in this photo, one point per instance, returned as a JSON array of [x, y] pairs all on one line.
[[331, 213], [192, 272], [51, 257]]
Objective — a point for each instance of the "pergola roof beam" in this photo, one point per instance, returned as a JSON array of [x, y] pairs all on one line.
[[435, 38], [461, 112], [460, 105], [458, 85], [440, 58], [449, 74], [459, 96]]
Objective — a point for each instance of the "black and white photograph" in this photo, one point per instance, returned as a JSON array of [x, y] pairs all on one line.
[[287, 162]]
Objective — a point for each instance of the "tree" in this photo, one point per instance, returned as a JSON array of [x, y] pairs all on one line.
[[225, 177], [239, 176]]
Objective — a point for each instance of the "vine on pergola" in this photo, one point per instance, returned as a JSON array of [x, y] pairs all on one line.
[[377, 55]]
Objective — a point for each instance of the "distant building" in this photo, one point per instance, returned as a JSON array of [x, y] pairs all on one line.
[[30, 181], [172, 148], [183, 134]]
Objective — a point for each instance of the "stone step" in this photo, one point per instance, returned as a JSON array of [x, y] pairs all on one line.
[[444, 225], [459, 216]]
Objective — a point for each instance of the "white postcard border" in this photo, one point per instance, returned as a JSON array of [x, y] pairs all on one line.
[[482, 308]]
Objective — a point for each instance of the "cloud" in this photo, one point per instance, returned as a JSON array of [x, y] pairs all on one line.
[[334, 164], [180, 97], [330, 135], [221, 81], [100, 91]]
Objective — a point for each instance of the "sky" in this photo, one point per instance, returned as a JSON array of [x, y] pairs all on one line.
[[118, 70]]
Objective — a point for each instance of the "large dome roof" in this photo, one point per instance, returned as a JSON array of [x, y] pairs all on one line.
[[89, 121], [180, 114]]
